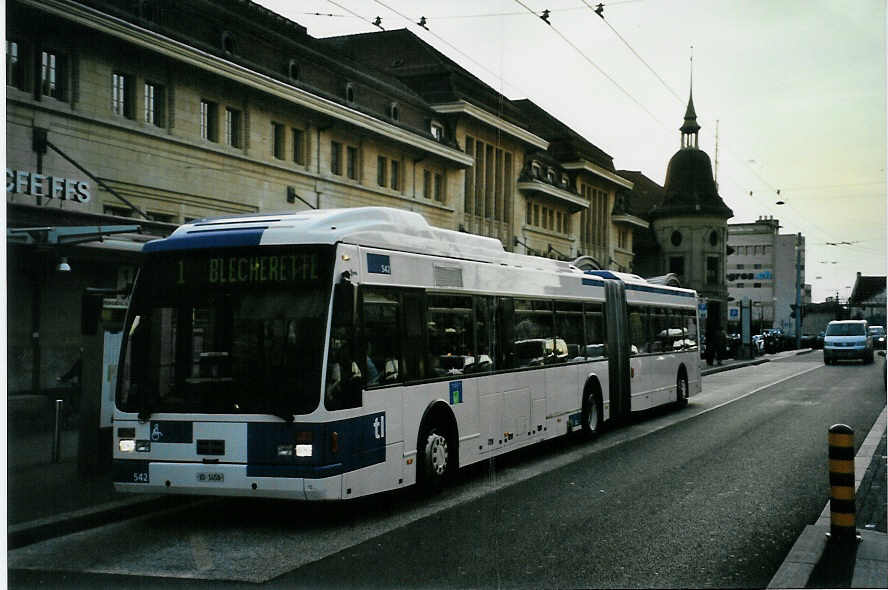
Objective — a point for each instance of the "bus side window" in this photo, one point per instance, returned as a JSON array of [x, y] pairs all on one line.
[[485, 335], [569, 330], [595, 334], [637, 329], [381, 308], [505, 324], [343, 383], [450, 349], [691, 326], [658, 336], [534, 333], [414, 345]]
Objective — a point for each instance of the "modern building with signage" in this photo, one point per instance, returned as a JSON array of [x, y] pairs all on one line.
[[762, 268]]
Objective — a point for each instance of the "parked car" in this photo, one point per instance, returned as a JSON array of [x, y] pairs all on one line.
[[878, 335], [847, 339], [758, 344], [818, 342], [773, 340]]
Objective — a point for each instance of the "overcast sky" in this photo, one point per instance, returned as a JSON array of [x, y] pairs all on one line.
[[797, 87]]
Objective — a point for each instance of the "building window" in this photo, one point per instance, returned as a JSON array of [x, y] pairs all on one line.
[[712, 270], [713, 238], [439, 188], [336, 157], [536, 214], [382, 171], [299, 146], [623, 239], [162, 217], [209, 120], [427, 184], [52, 73], [154, 96], [396, 175], [277, 141], [395, 111], [121, 95], [437, 131], [229, 45], [15, 69], [349, 93], [233, 126], [351, 162], [676, 238], [293, 69], [117, 211], [677, 265]]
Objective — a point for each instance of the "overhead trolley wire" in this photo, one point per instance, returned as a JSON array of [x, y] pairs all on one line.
[[451, 46], [594, 65]]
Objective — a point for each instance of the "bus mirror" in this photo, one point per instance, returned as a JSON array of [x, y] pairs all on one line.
[[344, 303]]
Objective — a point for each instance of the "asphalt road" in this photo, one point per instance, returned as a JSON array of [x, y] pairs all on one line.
[[713, 495]]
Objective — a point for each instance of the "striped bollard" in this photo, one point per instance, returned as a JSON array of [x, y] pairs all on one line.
[[841, 483]]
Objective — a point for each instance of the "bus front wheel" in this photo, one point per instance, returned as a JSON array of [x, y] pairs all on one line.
[[435, 459]]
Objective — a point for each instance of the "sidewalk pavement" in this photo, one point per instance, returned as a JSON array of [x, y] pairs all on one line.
[[47, 500], [815, 562]]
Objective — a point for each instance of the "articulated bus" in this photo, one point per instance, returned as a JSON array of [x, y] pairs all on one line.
[[332, 354]]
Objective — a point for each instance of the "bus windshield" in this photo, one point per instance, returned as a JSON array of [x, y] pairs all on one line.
[[227, 331]]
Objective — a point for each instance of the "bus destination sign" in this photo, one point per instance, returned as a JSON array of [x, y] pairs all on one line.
[[247, 270]]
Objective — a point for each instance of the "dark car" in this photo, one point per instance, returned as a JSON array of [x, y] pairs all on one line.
[[773, 340], [818, 341], [878, 334]]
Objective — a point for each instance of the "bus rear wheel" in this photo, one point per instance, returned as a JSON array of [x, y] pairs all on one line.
[[591, 415], [681, 391], [434, 459]]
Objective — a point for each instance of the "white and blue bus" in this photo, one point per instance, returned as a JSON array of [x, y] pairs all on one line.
[[331, 354]]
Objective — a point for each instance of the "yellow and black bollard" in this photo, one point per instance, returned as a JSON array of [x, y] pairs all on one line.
[[841, 482]]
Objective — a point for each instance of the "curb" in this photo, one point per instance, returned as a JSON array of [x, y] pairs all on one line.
[[799, 564], [739, 365], [34, 531]]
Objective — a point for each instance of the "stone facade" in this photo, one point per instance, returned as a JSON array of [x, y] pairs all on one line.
[[170, 111]]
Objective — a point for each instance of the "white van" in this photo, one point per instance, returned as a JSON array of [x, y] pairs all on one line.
[[847, 339]]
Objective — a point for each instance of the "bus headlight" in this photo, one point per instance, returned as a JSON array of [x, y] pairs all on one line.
[[126, 445], [303, 450]]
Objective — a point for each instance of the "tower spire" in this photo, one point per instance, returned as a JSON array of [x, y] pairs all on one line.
[[690, 128]]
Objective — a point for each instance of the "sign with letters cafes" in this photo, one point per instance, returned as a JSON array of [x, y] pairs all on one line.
[[26, 182]]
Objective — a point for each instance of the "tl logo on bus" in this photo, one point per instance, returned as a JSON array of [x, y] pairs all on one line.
[[379, 427]]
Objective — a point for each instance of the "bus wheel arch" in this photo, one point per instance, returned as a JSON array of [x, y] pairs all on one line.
[[681, 387], [592, 416], [437, 447]]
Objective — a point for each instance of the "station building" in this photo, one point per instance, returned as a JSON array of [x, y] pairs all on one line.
[[126, 118]]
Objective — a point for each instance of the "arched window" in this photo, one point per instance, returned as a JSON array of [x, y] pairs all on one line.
[[676, 238], [395, 111], [349, 92]]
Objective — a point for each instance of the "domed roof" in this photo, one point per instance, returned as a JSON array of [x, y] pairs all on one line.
[[690, 188]]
